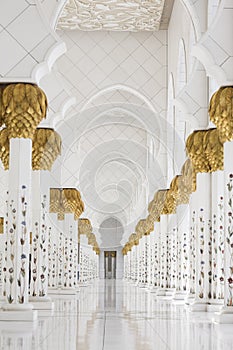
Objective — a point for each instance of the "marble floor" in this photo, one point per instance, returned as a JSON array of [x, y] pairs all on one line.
[[113, 315]]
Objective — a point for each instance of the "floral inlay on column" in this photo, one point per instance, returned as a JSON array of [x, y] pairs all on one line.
[[162, 271], [60, 260], [218, 253], [229, 243], [24, 236], [179, 263], [12, 250], [5, 264], [185, 262], [221, 247], [201, 273], [50, 264], [192, 254], [43, 250], [66, 258], [210, 272], [174, 258], [156, 267], [75, 248], [71, 263], [34, 261], [168, 261]]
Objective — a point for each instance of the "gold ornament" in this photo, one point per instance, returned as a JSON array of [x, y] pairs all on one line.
[[156, 206], [46, 146], [56, 203], [55, 200], [183, 194], [1, 117], [196, 150], [205, 150], [84, 226], [23, 107], [144, 227], [170, 203], [1, 225], [188, 177], [4, 148], [221, 112], [213, 149], [149, 225]]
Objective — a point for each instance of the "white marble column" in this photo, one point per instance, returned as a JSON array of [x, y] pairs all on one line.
[[39, 246], [226, 314], [156, 259], [163, 256], [171, 255], [203, 243], [193, 247], [183, 256], [19, 227], [68, 274], [217, 242]]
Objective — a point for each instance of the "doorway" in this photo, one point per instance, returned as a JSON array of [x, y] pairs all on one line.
[[110, 264]]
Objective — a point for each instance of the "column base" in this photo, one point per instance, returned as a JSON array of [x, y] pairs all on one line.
[[18, 312], [190, 299], [62, 291], [225, 315], [153, 289], [42, 303], [166, 294], [215, 305], [180, 296], [198, 306]]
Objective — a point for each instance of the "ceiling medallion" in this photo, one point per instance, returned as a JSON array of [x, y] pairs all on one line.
[[112, 15]]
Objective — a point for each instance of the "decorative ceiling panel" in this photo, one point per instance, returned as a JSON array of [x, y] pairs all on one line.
[[112, 15]]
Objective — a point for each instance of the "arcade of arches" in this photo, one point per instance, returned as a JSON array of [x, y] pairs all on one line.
[[116, 174]]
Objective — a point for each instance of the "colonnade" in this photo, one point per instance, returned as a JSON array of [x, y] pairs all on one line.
[[183, 250], [42, 251]]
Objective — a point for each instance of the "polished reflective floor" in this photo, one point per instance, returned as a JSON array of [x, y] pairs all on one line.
[[113, 315]]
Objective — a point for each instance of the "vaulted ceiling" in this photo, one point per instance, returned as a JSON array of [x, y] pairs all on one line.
[[114, 72]]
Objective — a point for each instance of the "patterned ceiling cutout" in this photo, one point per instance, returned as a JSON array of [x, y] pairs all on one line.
[[112, 15]]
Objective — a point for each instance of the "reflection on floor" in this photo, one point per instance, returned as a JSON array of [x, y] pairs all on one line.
[[113, 315]]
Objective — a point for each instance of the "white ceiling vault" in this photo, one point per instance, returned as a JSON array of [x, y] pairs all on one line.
[[114, 15], [114, 130]]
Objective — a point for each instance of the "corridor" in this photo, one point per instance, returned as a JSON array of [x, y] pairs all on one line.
[[112, 315]]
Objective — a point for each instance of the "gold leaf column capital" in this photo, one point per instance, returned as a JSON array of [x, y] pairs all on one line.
[[221, 112], [188, 177], [156, 206], [213, 149], [46, 146], [23, 107], [84, 226], [205, 150], [4, 148], [195, 147]]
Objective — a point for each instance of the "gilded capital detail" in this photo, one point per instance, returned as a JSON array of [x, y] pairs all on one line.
[[84, 226], [213, 149], [205, 150], [4, 148], [221, 112], [23, 107], [46, 147], [189, 178], [156, 206], [64, 201]]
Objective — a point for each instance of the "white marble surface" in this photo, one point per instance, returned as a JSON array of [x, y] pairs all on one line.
[[115, 315]]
